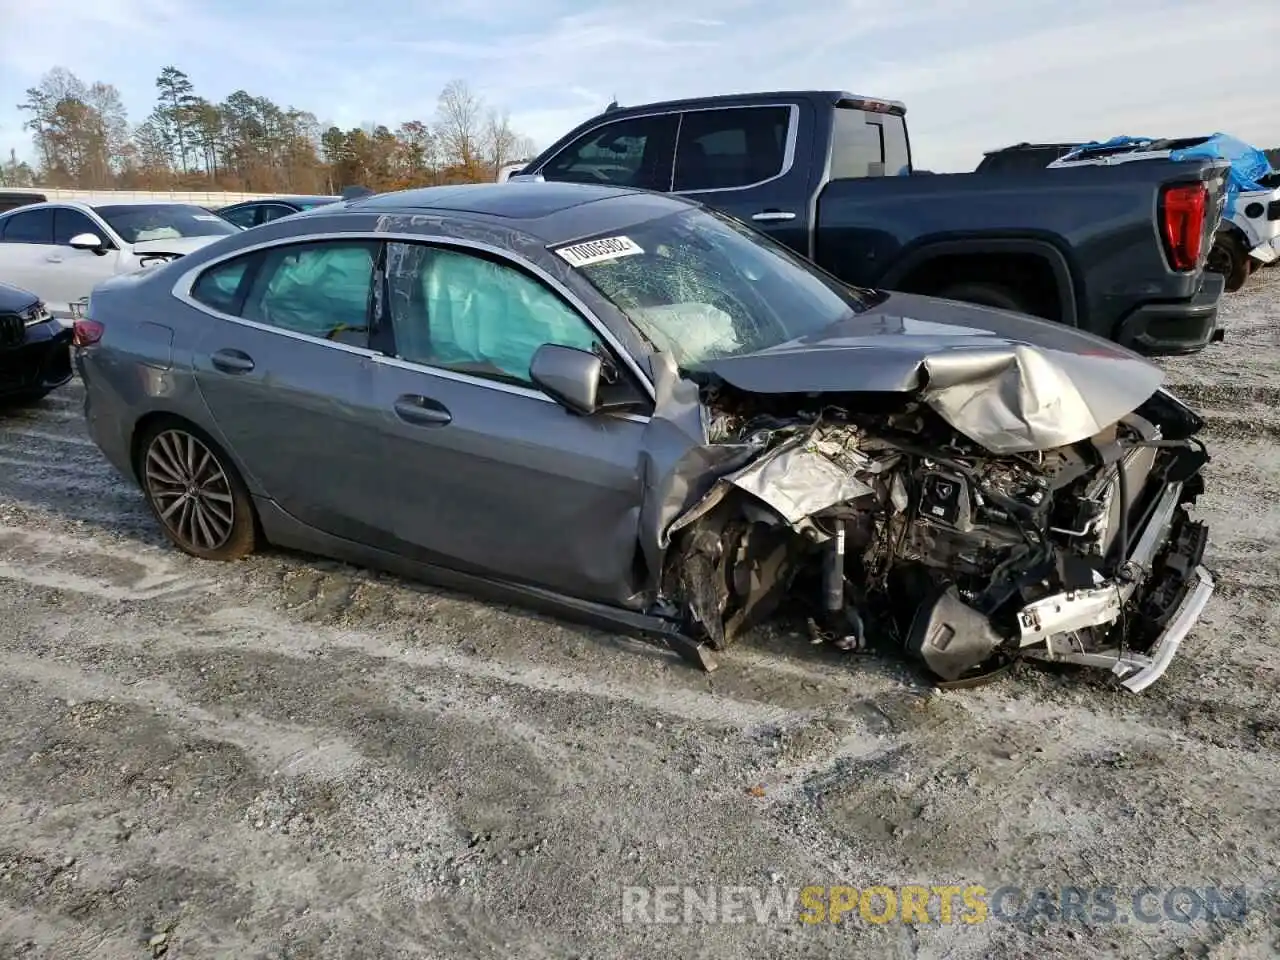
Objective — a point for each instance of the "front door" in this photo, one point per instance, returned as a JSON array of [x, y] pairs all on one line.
[[71, 274], [289, 383], [482, 471], [744, 162]]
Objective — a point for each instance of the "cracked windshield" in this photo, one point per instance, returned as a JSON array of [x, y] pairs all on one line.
[[701, 287]]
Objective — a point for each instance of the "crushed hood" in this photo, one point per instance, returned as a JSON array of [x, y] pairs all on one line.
[[1011, 383], [178, 245]]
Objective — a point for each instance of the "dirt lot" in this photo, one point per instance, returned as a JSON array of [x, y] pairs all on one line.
[[288, 757]]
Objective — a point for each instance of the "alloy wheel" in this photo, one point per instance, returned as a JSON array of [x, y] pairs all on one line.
[[189, 489]]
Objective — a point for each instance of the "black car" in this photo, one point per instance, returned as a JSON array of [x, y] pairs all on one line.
[[35, 348], [252, 213]]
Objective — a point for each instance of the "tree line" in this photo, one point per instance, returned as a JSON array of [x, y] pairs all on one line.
[[83, 139]]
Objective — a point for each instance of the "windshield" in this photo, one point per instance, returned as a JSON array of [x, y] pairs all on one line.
[[139, 222], [701, 286]]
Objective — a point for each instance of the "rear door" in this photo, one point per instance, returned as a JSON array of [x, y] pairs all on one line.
[[744, 161], [26, 243], [285, 370]]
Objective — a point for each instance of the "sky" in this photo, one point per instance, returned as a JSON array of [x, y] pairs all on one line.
[[975, 74]]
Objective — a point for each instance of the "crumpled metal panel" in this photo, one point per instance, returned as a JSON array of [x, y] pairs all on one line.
[[1019, 398], [678, 464], [807, 474], [1012, 384]]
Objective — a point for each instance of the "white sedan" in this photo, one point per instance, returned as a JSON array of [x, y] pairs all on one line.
[[61, 250]]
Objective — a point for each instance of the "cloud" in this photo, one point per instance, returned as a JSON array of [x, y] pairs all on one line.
[[975, 75]]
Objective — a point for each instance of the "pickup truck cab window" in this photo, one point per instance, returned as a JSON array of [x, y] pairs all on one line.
[[868, 145], [731, 148], [635, 152]]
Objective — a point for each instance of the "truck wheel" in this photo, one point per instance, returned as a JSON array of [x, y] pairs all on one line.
[[1229, 258], [985, 294]]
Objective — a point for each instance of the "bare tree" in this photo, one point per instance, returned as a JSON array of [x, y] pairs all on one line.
[[459, 126], [501, 142]]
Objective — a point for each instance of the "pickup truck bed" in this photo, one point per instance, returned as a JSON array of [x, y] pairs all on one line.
[[1081, 246], [1117, 252]]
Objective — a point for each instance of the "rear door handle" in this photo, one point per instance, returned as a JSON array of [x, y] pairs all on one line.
[[422, 412], [773, 216], [232, 361]]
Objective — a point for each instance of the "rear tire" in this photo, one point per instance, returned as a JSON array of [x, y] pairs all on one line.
[[195, 492], [1229, 258], [986, 295]]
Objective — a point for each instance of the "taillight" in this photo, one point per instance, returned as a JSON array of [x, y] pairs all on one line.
[[1182, 212], [85, 333]]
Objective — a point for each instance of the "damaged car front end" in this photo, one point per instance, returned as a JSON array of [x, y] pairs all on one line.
[[898, 529], [962, 485]]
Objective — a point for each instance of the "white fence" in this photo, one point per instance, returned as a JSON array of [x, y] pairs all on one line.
[[134, 196]]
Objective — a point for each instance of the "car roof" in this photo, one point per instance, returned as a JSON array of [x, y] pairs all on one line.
[[549, 211], [99, 204], [295, 198], [832, 97]]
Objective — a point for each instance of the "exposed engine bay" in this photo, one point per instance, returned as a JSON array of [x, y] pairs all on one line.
[[896, 532]]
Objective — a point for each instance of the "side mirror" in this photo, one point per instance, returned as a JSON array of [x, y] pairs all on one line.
[[87, 241], [570, 377], [526, 178]]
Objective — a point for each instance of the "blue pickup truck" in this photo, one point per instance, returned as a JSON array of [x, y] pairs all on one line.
[[1119, 251]]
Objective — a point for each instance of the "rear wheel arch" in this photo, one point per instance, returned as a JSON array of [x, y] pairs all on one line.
[[248, 533], [1033, 274]]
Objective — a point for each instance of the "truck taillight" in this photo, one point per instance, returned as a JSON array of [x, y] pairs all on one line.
[[1182, 213]]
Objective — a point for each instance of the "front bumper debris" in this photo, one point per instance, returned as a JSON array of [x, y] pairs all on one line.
[[1054, 620]]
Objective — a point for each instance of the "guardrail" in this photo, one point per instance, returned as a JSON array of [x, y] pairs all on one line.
[[128, 196]]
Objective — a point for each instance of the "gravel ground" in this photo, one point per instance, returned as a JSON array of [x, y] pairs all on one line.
[[289, 757]]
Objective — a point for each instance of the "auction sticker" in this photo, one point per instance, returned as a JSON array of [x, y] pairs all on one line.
[[595, 251]]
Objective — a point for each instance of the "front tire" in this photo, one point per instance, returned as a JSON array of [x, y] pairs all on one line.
[[195, 492]]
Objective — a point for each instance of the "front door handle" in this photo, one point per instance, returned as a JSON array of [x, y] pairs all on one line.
[[422, 412], [54, 258], [773, 216], [232, 361]]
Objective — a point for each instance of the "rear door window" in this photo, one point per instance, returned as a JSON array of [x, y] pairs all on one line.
[[30, 226], [726, 149], [322, 289], [636, 152]]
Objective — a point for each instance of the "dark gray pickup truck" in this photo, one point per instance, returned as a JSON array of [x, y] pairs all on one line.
[[1118, 251]]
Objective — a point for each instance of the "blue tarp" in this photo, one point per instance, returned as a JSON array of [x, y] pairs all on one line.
[[1248, 163]]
